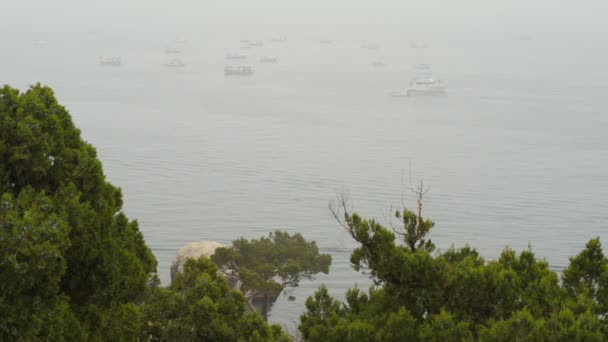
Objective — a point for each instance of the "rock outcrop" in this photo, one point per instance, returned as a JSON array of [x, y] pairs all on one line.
[[195, 250], [192, 250]]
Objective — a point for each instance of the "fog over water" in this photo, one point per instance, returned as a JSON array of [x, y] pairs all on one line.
[[516, 152]]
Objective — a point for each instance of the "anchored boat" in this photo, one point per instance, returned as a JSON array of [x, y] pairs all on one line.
[[110, 61], [236, 55], [238, 70]]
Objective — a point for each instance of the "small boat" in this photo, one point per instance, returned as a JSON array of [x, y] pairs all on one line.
[[269, 59], [172, 51], [423, 84], [175, 63], [280, 39], [236, 55], [379, 64], [238, 70], [257, 43], [110, 61]]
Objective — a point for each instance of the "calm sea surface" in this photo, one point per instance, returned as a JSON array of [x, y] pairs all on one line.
[[515, 154]]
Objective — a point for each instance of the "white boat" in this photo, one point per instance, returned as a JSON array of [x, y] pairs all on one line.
[[236, 55], [269, 59], [110, 61], [422, 84], [175, 63], [238, 70], [256, 43], [426, 84]]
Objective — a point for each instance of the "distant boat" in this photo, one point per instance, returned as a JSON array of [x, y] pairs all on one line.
[[422, 84], [239, 70], [175, 63], [280, 39], [269, 59], [110, 61], [172, 51], [379, 64], [257, 43], [236, 55]]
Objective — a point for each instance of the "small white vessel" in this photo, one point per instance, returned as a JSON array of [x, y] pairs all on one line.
[[236, 55], [257, 43], [422, 84], [269, 59], [110, 61], [238, 70], [425, 84], [175, 63]]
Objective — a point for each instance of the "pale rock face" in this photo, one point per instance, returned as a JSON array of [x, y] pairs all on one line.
[[192, 250], [195, 250]]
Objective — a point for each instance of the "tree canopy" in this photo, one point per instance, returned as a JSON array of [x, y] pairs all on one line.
[[266, 266], [456, 295], [73, 267]]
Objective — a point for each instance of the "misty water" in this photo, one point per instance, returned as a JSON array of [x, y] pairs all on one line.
[[515, 154]]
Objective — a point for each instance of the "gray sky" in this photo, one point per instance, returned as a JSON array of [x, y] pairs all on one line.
[[557, 18]]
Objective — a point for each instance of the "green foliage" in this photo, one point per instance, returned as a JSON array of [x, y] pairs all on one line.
[[587, 276], [199, 306], [266, 266], [69, 258], [456, 295]]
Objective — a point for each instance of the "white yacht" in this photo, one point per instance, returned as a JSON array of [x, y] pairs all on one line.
[[110, 61], [238, 70], [426, 84], [422, 84], [175, 63], [236, 55]]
